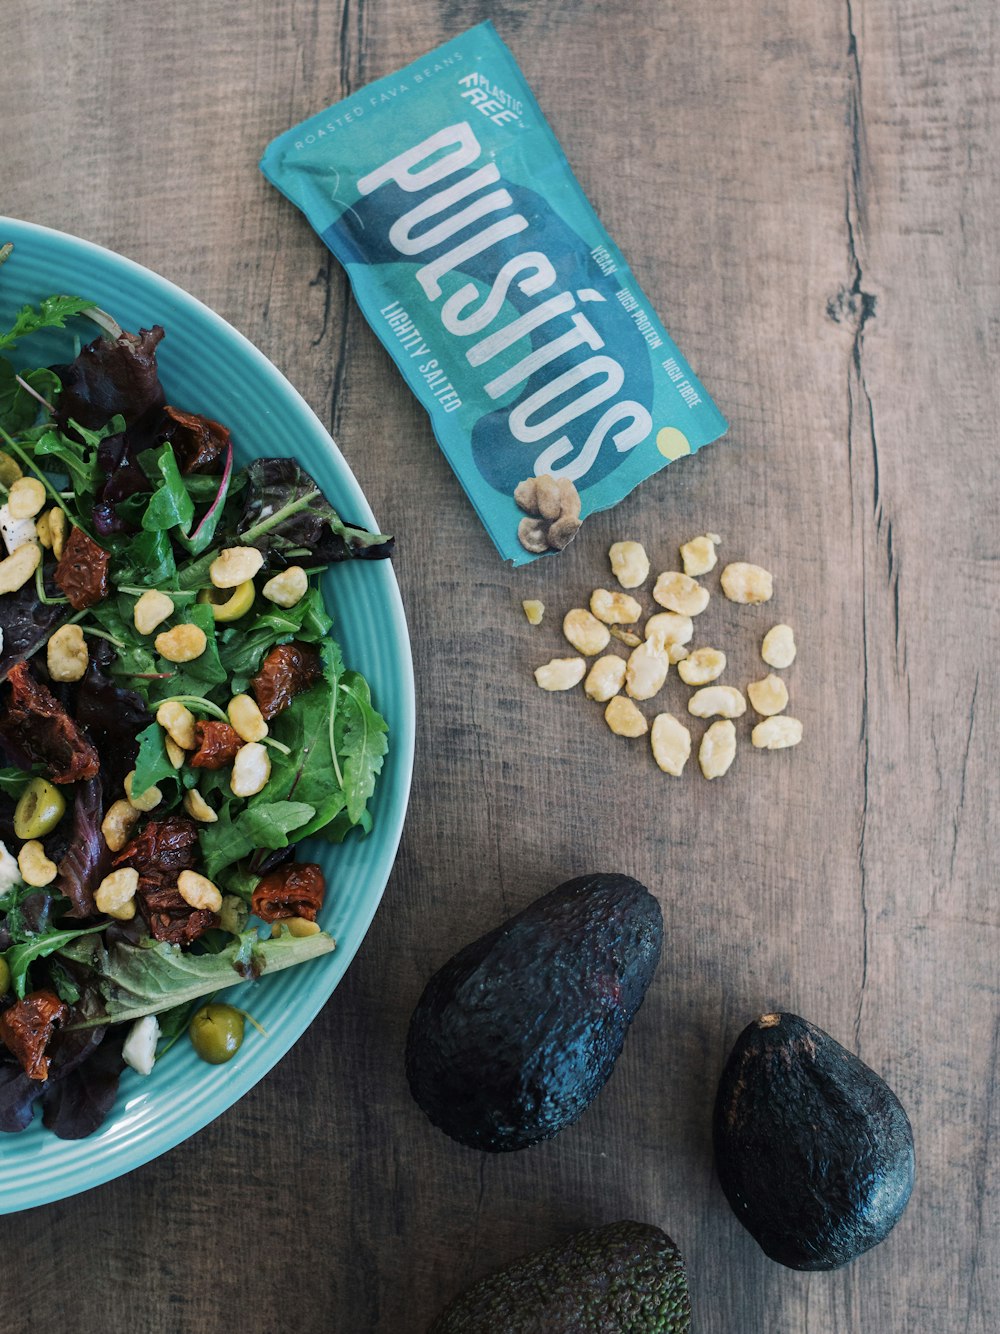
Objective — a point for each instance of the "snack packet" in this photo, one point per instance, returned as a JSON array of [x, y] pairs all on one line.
[[479, 262]]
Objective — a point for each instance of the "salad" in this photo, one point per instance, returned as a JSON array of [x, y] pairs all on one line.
[[174, 718]]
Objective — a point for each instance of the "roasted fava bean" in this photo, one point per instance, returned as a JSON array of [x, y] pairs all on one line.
[[726, 701], [198, 891], [183, 643], [769, 696], [605, 678], [671, 742], [629, 563], [680, 593], [585, 632], [179, 724], [35, 867], [746, 583], [17, 569], [702, 666], [624, 718], [150, 610], [288, 587], [26, 498], [118, 824], [560, 673], [777, 733], [778, 648], [234, 566], [698, 555], [67, 655], [251, 770], [614, 608], [718, 749]]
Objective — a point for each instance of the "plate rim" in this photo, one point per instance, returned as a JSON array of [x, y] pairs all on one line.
[[138, 1152]]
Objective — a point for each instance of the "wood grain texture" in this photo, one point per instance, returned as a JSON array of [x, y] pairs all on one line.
[[808, 191]]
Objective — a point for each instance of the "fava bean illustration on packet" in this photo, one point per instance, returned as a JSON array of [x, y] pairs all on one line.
[[479, 262]]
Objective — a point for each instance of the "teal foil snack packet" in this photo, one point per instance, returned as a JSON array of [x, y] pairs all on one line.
[[479, 262]]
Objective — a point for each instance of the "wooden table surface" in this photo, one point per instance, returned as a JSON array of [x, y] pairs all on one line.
[[808, 191]]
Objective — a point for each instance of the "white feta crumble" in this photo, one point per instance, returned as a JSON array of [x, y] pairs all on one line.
[[139, 1050], [10, 873]]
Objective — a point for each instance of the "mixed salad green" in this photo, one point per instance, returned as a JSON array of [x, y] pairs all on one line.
[[175, 717]]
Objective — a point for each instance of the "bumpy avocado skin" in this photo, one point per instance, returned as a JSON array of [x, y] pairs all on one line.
[[516, 1035], [626, 1278], [814, 1151]]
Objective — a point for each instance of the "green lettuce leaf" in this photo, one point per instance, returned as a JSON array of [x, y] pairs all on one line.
[[311, 771], [76, 458], [152, 765], [14, 781], [170, 505], [265, 825], [20, 957], [147, 559], [52, 313], [243, 647], [148, 979], [361, 741], [18, 409]]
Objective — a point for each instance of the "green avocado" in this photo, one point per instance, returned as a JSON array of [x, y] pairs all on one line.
[[625, 1278]]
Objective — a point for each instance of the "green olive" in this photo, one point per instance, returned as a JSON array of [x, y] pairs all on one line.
[[231, 608], [39, 809], [216, 1033], [4, 976]]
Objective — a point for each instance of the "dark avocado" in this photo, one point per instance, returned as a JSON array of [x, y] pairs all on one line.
[[626, 1278], [813, 1149], [517, 1034]]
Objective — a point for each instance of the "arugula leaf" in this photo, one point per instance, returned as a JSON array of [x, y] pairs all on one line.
[[361, 741], [198, 676], [137, 980], [134, 655], [243, 647], [52, 313], [173, 1024], [147, 560], [28, 911], [152, 765], [170, 505], [78, 459], [63, 981], [309, 772], [18, 409], [13, 782], [20, 957], [342, 824], [265, 825]]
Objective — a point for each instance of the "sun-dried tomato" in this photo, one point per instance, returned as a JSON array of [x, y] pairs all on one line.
[[217, 745], [27, 1026], [286, 671], [159, 853], [37, 724], [198, 442], [82, 572], [163, 849], [293, 890], [170, 918]]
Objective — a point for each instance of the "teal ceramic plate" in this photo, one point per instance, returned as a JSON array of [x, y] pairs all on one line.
[[207, 367]]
